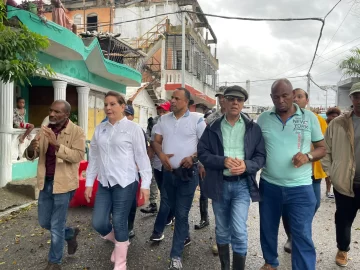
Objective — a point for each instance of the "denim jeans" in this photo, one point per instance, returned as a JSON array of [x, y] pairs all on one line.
[[52, 213], [298, 203], [231, 214], [317, 190], [115, 201], [164, 214], [132, 214], [178, 197]]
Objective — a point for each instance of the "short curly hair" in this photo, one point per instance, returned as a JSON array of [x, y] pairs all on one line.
[[333, 110]]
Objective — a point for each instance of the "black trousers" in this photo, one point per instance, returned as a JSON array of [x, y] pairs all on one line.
[[346, 210]]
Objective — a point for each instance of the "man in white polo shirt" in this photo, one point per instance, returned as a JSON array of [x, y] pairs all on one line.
[[286, 184], [175, 144]]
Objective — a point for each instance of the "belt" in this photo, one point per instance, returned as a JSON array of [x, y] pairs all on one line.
[[234, 178]]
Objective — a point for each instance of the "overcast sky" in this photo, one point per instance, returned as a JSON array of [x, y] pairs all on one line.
[[263, 50]]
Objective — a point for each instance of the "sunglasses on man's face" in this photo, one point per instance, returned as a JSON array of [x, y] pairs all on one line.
[[232, 99]]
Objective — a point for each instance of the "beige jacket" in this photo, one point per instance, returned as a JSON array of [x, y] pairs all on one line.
[[339, 162], [71, 152]]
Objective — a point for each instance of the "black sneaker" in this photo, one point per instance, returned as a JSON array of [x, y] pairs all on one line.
[[150, 209], [72, 243], [175, 264], [131, 234], [157, 237], [187, 241], [169, 222]]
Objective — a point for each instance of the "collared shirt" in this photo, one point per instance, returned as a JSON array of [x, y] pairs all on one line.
[[50, 161], [180, 136], [233, 140], [156, 162], [115, 150], [283, 141], [212, 117]]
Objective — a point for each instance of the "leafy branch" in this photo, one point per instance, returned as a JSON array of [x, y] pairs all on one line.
[[350, 66], [19, 48]]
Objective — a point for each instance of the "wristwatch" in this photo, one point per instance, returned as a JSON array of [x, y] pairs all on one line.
[[310, 157], [195, 159]]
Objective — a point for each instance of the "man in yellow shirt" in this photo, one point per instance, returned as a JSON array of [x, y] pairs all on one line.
[[301, 98]]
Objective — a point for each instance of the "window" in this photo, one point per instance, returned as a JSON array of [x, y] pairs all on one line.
[[92, 22], [78, 20], [179, 58], [159, 9]]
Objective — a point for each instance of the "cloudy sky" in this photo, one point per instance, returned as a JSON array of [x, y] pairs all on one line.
[[263, 50]]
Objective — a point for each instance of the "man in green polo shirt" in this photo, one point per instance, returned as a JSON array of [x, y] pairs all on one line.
[[286, 184]]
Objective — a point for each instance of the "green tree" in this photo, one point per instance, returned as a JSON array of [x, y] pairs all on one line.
[[350, 66], [19, 48]]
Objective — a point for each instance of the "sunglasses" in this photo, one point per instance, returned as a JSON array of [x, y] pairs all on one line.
[[232, 99]]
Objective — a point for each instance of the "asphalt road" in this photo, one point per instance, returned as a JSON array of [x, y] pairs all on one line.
[[24, 245]]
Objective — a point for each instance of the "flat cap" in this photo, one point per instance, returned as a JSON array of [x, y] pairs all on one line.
[[220, 91], [236, 91], [355, 88]]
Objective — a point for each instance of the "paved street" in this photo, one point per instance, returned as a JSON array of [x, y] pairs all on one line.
[[24, 245]]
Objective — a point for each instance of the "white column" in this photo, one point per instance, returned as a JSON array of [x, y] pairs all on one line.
[[6, 128], [83, 107], [59, 90]]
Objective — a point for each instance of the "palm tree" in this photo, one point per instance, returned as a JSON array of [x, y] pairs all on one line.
[[350, 66]]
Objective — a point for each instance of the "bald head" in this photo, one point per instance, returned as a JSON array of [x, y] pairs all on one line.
[[281, 83], [282, 95]]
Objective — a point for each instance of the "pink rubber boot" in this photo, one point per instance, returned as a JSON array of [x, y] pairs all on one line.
[[110, 237], [120, 250]]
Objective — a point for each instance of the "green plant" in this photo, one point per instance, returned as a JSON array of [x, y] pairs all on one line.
[[74, 117], [350, 66], [18, 51]]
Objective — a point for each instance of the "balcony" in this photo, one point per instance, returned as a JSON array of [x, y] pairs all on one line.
[[201, 92]]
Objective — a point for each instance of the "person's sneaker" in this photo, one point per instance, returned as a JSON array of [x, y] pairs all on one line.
[[169, 222], [157, 237], [175, 264], [287, 246], [187, 241], [215, 250], [329, 195], [150, 209], [131, 234], [267, 266], [72, 243], [341, 258]]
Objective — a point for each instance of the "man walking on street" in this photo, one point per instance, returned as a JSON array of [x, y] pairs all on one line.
[[286, 184], [342, 165], [232, 150], [162, 109], [216, 115], [175, 144], [301, 98], [60, 147]]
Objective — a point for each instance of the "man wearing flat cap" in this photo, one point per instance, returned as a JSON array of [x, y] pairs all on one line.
[[232, 150], [342, 165], [215, 115]]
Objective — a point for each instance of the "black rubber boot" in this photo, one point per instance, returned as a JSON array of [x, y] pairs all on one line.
[[287, 246], [224, 255], [204, 215], [238, 261]]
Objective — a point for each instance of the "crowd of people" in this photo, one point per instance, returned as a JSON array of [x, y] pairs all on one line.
[[293, 148]]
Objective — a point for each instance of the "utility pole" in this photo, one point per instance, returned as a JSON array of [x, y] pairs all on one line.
[[308, 88], [183, 49], [326, 101]]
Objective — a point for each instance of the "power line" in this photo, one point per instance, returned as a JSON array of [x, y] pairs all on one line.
[[320, 35], [265, 80], [338, 28]]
